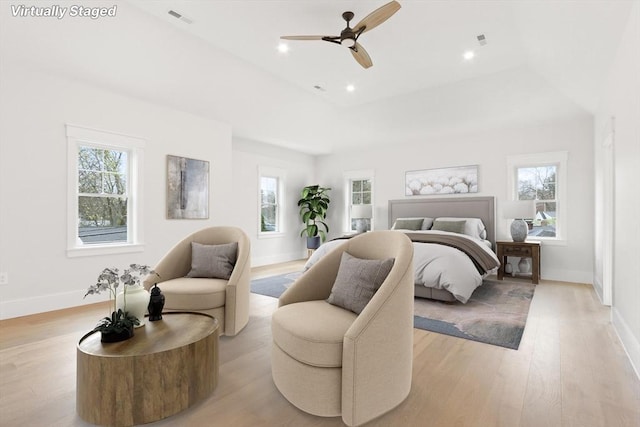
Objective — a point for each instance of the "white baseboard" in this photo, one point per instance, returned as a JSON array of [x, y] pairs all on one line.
[[597, 287], [43, 303], [573, 276], [278, 258], [629, 341]]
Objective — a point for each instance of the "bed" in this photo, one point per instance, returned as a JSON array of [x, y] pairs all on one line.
[[449, 265]]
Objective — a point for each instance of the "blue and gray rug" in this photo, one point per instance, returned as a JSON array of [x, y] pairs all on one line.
[[495, 314]]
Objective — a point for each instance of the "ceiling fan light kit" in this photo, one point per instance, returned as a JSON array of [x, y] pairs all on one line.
[[349, 36]]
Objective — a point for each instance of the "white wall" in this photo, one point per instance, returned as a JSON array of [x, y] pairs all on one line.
[[489, 150], [621, 100], [299, 169], [34, 108]]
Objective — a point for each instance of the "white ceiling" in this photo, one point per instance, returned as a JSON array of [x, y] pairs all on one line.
[[543, 59]]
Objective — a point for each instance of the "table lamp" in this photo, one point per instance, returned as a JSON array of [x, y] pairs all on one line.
[[518, 211], [361, 213]]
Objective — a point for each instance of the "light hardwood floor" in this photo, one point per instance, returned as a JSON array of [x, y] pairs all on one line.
[[570, 370]]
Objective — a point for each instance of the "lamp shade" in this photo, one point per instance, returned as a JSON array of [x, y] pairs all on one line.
[[361, 211], [519, 209]]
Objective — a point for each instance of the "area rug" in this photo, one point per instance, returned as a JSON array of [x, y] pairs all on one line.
[[274, 286], [495, 314]]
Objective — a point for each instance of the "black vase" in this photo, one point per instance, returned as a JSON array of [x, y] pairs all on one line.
[[156, 304], [116, 336]]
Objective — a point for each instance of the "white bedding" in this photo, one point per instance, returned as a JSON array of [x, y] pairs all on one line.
[[436, 266]]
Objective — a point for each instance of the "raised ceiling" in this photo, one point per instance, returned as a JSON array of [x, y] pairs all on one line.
[[543, 59], [418, 48]]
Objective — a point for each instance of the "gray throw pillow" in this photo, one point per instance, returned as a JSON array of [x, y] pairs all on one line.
[[213, 261], [408, 224], [357, 281], [451, 226]]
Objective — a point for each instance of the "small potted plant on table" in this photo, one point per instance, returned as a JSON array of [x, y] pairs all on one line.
[[120, 324]]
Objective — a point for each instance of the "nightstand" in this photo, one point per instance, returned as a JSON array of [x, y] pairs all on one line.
[[520, 250]]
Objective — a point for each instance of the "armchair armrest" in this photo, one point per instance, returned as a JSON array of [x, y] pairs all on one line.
[[176, 263], [236, 314], [384, 329], [315, 283]]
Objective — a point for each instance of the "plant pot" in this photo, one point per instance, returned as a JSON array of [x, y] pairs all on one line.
[[116, 336], [135, 303], [313, 242]]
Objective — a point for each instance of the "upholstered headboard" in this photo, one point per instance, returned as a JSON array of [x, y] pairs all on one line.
[[460, 207]]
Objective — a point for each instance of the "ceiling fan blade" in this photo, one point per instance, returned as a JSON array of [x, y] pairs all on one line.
[[377, 17], [303, 37], [361, 55]]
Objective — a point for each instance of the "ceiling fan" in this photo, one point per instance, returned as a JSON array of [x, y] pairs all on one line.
[[349, 36]]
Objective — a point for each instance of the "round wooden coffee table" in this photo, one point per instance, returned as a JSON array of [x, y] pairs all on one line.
[[165, 368]]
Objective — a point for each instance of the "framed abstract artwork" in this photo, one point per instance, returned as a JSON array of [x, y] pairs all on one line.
[[453, 180], [187, 188]]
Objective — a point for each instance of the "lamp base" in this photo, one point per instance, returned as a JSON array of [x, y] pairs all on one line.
[[519, 230]]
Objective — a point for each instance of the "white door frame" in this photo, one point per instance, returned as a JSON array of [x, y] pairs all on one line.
[[608, 187]]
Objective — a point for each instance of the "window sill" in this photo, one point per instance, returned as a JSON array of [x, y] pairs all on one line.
[[271, 235], [95, 250], [548, 242]]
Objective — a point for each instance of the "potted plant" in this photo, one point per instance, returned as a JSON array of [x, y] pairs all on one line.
[[120, 324], [313, 204]]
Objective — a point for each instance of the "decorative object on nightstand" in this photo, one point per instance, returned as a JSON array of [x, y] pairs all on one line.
[[508, 268], [524, 265], [361, 213], [518, 210]]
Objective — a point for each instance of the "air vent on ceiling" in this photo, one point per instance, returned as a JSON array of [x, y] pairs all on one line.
[[320, 88], [180, 16], [482, 40]]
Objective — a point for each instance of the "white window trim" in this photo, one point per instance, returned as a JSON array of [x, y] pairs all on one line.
[[281, 174], [77, 136], [349, 176], [559, 158]]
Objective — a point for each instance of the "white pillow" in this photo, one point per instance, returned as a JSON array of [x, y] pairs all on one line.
[[426, 224], [473, 227]]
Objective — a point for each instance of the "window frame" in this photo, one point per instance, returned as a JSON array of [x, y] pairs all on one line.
[[349, 177], [78, 136], [280, 175], [559, 159]]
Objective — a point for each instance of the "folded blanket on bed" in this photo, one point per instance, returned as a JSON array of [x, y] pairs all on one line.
[[482, 260]]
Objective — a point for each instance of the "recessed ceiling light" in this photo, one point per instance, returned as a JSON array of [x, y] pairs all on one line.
[[468, 55], [350, 88], [283, 48]]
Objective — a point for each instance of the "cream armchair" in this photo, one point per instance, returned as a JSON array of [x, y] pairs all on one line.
[[226, 300], [329, 361]]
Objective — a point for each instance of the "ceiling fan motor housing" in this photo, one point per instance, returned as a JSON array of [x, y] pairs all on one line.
[[347, 36]]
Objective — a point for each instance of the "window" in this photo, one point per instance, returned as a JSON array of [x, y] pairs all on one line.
[[542, 178], [360, 200], [271, 190], [103, 191]]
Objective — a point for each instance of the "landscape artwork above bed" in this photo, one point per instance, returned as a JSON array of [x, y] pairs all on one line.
[[454, 180]]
